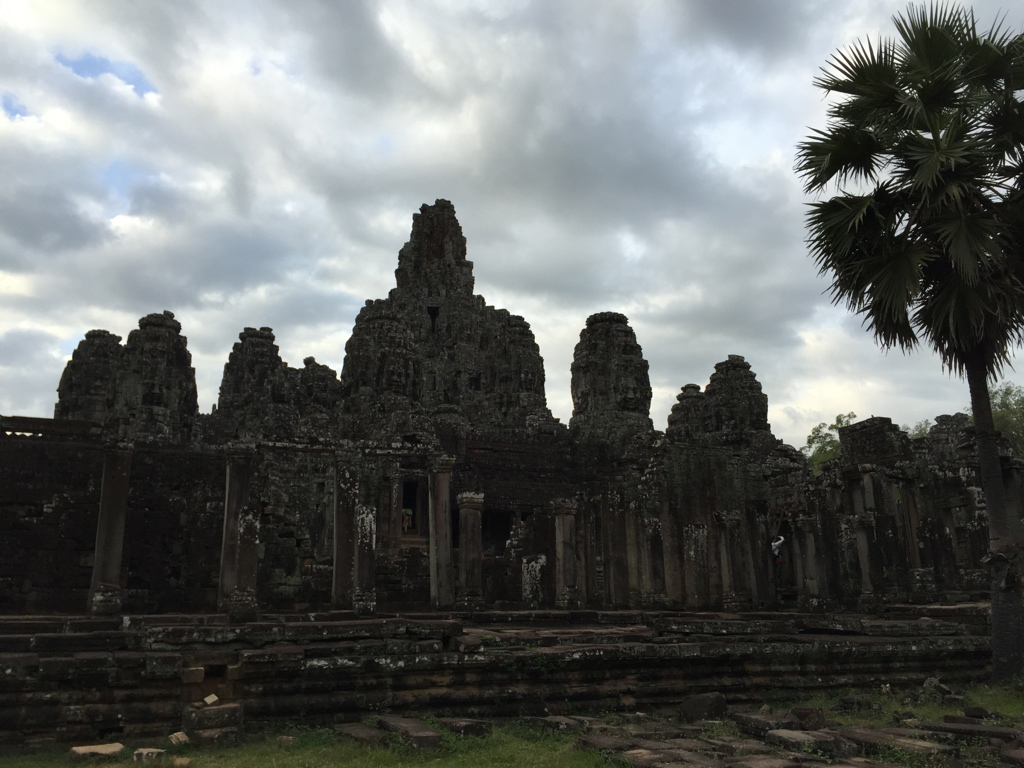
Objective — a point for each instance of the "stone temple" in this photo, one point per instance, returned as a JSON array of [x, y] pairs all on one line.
[[430, 476]]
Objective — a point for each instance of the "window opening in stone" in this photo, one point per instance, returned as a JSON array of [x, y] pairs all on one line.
[[410, 507], [496, 530], [215, 670], [433, 312]]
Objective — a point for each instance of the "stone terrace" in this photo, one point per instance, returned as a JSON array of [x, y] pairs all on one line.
[[81, 678]]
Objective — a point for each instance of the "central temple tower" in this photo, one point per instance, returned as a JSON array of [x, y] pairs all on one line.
[[432, 349]]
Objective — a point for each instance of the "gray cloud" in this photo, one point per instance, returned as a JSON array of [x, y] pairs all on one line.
[[623, 155]]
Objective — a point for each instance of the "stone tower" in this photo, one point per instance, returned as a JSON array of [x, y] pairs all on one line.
[[611, 388], [435, 349], [86, 389]]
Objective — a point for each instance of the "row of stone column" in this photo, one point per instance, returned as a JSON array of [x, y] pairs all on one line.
[[355, 541]]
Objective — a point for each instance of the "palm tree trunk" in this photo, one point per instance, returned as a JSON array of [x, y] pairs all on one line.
[[1004, 552]]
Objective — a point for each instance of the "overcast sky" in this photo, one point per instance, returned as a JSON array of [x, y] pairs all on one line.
[[257, 163]]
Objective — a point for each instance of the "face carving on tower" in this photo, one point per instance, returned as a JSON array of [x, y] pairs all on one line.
[[609, 372]]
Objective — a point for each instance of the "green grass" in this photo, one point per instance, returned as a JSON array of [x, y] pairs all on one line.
[[1007, 700], [511, 746], [516, 745]]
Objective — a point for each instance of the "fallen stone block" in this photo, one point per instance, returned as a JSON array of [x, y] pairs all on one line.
[[758, 725], [467, 727], [604, 743], [219, 716], [1012, 755], [811, 742], [643, 758], [179, 738], [702, 706], [467, 643], [416, 732], [215, 735], [727, 746], [555, 723], [810, 718], [363, 733], [721, 746], [873, 741], [149, 755], [96, 750], [761, 761], [984, 731]]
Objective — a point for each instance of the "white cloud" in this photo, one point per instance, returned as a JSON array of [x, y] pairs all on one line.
[[627, 156]]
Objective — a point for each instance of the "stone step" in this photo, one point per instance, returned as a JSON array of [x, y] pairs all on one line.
[[362, 733], [96, 752], [600, 742], [761, 761], [416, 732], [467, 727], [873, 741], [661, 758], [814, 742], [198, 717], [983, 731]]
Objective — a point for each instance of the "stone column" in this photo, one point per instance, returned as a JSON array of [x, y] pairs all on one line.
[[566, 595], [734, 595], [391, 532], [105, 588], [236, 496], [442, 577], [471, 554], [242, 605], [864, 557], [672, 554], [364, 597], [863, 518], [613, 535], [697, 567], [239, 553], [346, 490], [633, 547]]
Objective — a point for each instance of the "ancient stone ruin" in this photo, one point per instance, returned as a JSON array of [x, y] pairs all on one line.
[[431, 476]]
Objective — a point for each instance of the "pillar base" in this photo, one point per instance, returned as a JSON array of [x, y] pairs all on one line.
[[242, 605], [105, 601], [365, 603], [568, 600], [469, 603]]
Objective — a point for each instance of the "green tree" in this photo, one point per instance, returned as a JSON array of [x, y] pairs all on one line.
[[923, 150], [920, 429], [1008, 414], [823, 442]]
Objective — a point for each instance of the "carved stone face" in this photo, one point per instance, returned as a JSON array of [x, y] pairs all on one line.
[[629, 385], [394, 376]]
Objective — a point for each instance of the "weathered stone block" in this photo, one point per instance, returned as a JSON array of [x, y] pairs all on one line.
[[703, 706], [96, 751], [363, 733], [160, 666], [416, 732], [467, 727], [198, 718]]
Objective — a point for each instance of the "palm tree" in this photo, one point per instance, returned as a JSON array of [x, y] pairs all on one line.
[[925, 152]]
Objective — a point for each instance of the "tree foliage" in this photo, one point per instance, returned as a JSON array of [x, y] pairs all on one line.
[[924, 147], [919, 429], [823, 441], [923, 236]]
